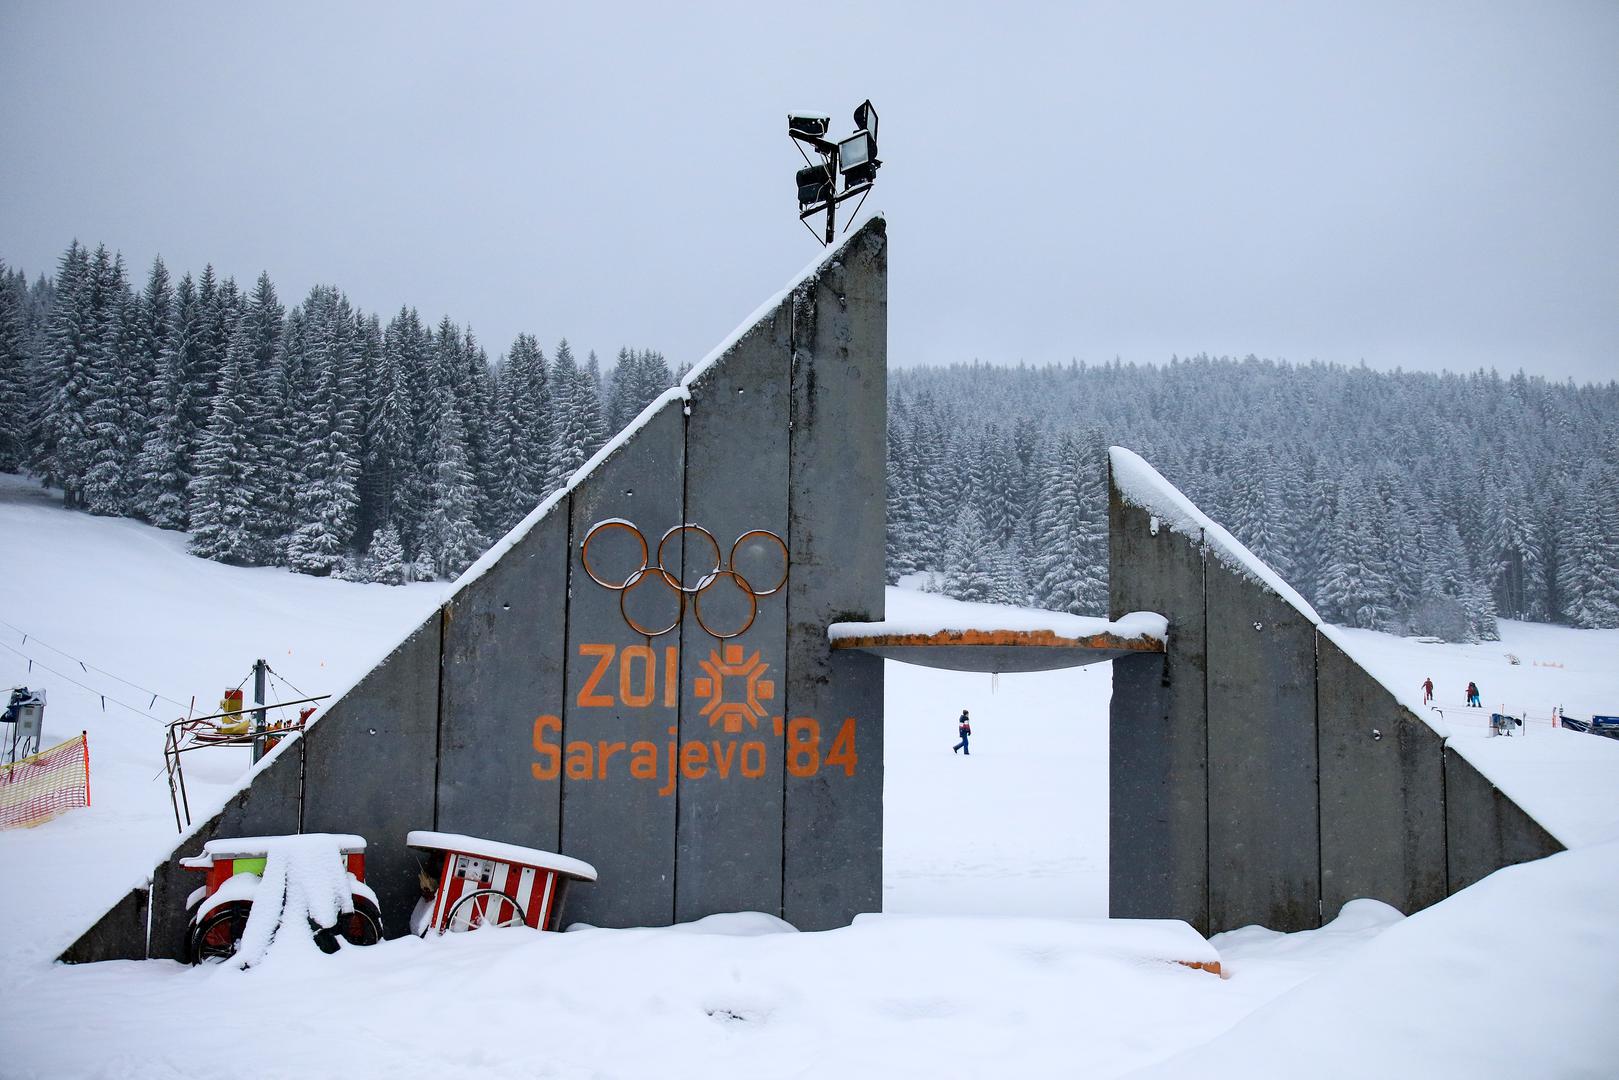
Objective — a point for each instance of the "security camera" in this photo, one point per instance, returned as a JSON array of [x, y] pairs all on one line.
[[807, 123]]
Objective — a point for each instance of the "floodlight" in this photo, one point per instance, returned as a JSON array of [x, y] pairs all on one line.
[[814, 184], [865, 118], [807, 123], [857, 158]]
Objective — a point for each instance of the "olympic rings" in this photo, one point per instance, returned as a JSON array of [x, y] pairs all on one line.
[[654, 582]]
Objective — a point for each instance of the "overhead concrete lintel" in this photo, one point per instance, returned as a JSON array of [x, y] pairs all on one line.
[[999, 650]]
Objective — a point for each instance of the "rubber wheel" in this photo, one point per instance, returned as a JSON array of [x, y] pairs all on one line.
[[483, 907], [216, 938], [362, 926]]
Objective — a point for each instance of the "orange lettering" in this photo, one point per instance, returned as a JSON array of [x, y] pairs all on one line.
[[723, 760], [588, 698], [605, 751], [649, 673], [694, 761], [757, 749], [643, 760], [550, 763], [803, 746], [671, 675], [581, 761], [843, 752]]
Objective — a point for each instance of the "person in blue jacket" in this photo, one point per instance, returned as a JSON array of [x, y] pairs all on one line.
[[964, 729]]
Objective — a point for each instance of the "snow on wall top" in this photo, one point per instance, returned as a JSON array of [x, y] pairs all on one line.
[[913, 612], [1142, 485]]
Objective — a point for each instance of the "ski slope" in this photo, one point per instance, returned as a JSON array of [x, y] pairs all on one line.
[[988, 960]]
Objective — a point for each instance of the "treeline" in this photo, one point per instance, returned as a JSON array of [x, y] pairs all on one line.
[[318, 438], [322, 439], [1398, 501]]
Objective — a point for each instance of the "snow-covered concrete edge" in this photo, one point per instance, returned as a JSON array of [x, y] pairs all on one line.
[[1143, 486], [961, 616], [482, 566]]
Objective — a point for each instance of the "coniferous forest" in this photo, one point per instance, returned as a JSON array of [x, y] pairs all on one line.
[[321, 438]]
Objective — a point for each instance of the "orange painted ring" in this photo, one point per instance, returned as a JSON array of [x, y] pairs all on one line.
[[776, 588], [707, 574], [635, 579], [753, 603], [584, 554]]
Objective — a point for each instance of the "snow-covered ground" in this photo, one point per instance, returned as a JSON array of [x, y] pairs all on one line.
[[984, 965]]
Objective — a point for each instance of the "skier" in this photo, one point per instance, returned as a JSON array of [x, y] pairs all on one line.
[[964, 729], [1472, 696], [1427, 691]]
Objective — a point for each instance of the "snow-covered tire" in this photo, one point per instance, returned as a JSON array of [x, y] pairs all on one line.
[[362, 926], [217, 936]]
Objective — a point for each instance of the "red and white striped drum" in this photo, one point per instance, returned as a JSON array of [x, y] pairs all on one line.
[[484, 882]]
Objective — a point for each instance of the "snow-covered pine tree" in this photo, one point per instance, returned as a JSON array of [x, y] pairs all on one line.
[[588, 401], [162, 467], [969, 560], [639, 376], [451, 538], [570, 399], [14, 371], [385, 560], [113, 418], [902, 543], [523, 448], [221, 489], [325, 496], [1070, 535], [66, 378], [389, 435], [256, 345]]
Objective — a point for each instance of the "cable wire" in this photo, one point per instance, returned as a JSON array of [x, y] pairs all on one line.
[[88, 667], [88, 689]]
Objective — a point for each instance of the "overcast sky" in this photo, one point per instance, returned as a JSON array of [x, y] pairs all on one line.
[[1419, 184]]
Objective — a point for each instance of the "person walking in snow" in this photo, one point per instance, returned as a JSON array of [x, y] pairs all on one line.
[[1472, 696], [965, 730], [1427, 691]]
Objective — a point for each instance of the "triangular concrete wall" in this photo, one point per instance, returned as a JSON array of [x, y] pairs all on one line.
[[1258, 774], [528, 710]]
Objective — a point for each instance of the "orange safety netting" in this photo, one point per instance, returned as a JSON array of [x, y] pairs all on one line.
[[50, 782]]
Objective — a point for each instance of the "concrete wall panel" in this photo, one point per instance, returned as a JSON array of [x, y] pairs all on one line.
[[832, 859], [1382, 792], [1158, 729], [369, 767], [504, 651], [733, 690], [620, 724], [120, 934], [1264, 849], [1484, 829]]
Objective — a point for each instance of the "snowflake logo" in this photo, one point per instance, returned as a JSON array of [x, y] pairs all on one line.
[[751, 684]]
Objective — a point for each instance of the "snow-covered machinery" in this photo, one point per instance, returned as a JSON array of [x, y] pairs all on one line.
[[237, 869], [24, 714], [487, 883]]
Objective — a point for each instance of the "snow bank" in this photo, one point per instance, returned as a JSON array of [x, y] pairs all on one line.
[[1513, 976], [1142, 485], [913, 612]]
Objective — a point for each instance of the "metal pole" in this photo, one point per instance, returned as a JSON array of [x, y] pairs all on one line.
[[832, 202], [259, 667]]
